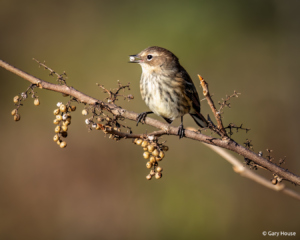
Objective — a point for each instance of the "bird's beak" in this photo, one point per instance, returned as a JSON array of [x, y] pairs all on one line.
[[135, 59]]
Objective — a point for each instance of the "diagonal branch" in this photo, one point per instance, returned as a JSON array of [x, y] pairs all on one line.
[[238, 167], [226, 143]]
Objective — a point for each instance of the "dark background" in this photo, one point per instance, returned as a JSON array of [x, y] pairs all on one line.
[[96, 187]]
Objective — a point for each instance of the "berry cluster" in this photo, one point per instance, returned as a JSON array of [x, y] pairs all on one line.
[[21, 97], [153, 151], [62, 120]]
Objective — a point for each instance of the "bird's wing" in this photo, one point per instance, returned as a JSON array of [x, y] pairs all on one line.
[[189, 88]]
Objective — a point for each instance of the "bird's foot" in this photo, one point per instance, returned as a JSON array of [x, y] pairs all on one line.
[[141, 117], [181, 131]]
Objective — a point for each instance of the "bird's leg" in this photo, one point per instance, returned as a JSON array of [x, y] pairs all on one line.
[[181, 129], [141, 117]]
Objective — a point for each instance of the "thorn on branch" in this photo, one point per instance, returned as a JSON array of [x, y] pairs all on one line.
[[282, 160], [248, 144], [252, 165], [269, 156]]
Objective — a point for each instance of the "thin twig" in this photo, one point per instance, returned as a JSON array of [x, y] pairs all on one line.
[[60, 77], [210, 102], [226, 102]]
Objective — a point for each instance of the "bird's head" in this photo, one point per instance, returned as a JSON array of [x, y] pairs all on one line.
[[155, 59]]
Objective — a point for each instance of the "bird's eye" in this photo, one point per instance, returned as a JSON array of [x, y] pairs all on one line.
[[149, 57]]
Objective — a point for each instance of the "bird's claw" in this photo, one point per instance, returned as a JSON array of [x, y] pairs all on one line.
[[141, 118]]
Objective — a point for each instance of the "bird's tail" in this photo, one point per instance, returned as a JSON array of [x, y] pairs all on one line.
[[199, 119]]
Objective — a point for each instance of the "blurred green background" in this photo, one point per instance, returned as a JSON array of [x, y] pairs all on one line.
[[96, 187]]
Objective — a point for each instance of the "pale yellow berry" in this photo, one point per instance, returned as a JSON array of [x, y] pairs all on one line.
[[56, 111], [145, 149], [55, 138], [152, 172], [274, 181], [146, 155], [16, 99], [59, 117], [56, 121], [152, 159], [161, 154], [57, 129], [17, 117], [64, 128], [58, 142], [148, 165], [67, 122], [139, 141], [159, 169], [84, 112], [63, 108], [158, 175], [148, 177], [36, 102], [72, 108], [63, 145], [144, 144], [14, 112], [151, 148], [155, 153]]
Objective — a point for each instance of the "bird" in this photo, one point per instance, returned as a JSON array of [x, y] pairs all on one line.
[[167, 88]]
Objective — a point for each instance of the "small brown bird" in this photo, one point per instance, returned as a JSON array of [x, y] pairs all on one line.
[[167, 88]]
